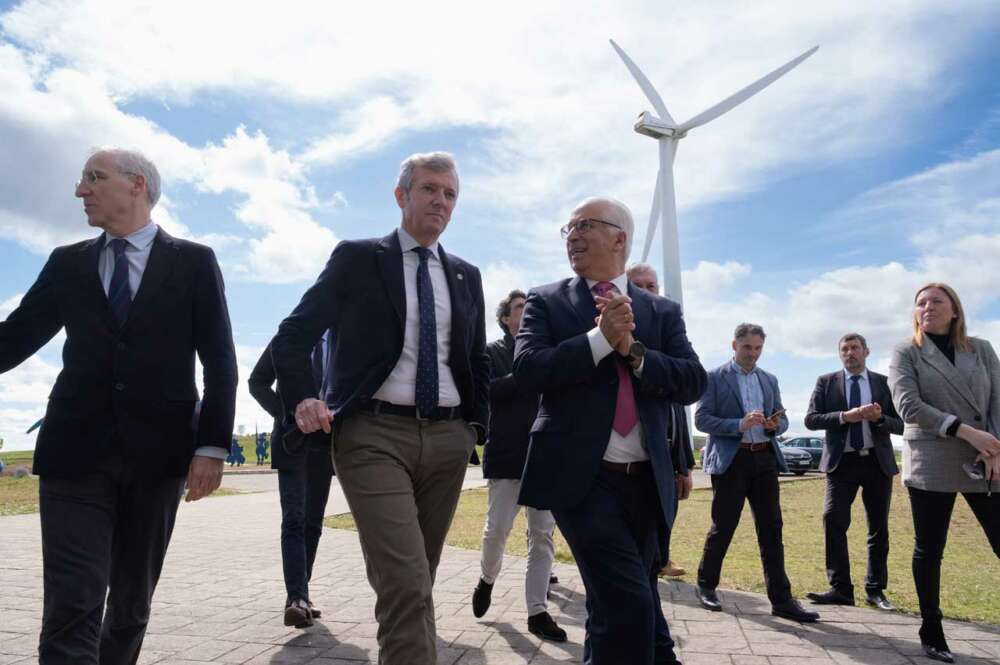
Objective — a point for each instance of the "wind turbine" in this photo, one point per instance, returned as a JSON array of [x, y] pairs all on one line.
[[667, 132]]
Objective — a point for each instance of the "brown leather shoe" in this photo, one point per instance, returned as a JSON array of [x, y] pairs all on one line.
[[672, 570], [297, 614], [315, 611]]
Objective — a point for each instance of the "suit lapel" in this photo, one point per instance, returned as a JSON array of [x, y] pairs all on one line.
[[643, 311], [950, 372], [162, 255], [456, 289], [766, 393], [90, 278], [965, 363], [840, 392], [390, 262], [582, 301], [734, 385]]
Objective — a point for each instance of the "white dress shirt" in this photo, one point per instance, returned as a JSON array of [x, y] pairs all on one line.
[[400, 386], [631, 447], [866, 398]]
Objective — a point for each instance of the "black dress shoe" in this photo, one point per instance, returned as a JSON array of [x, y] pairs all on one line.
[[481, 598], [546, 627], [935, 653], [878, 599], [831, 597], [790, 609], [553, 579], [708, 598]]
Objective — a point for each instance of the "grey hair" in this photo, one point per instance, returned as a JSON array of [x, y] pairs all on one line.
[[745, 329], [641, 267], [621, 211], [135, 163], [433, 161]]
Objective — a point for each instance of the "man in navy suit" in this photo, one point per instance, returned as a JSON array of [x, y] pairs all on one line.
[[407, 397], [855, 408], [119, 439], [743, 458], [599, 457]]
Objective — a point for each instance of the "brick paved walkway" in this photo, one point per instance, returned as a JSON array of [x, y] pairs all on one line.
[[207, 611]]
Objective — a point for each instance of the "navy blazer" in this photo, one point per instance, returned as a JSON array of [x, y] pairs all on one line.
[[719, 414], [829, 400], [129, 391], [569, 437], [360, 296]]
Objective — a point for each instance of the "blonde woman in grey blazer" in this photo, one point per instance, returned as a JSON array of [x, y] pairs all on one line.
[[946, 388]]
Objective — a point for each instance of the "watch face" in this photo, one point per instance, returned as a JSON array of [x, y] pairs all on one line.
[[637, 350]]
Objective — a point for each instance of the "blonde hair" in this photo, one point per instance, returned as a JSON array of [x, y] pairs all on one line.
[[958, 334]]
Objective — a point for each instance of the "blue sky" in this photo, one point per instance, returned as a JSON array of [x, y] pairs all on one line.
[[815, 208]]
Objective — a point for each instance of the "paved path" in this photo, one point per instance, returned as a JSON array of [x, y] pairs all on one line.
[[207, 610]]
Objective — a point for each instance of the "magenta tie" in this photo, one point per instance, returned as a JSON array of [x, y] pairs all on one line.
[[626, 415]]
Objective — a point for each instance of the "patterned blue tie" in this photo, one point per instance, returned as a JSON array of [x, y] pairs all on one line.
[[119, 292], [857, 436], [426, 394]]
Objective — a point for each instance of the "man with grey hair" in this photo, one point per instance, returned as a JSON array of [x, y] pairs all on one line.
[[607, 358], [407, 397], [120, 437], [742, 414]]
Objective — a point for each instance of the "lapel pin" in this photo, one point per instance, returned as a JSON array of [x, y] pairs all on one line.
[[459, 276]]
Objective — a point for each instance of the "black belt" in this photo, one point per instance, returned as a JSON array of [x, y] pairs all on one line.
[[628, 468], [756, 447], [377, 406]]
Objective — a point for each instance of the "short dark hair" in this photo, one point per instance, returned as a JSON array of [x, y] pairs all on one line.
[[852, 336], [503, 309], [745, 329]]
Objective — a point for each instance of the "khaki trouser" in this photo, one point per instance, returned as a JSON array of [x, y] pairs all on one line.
[[402, 478]]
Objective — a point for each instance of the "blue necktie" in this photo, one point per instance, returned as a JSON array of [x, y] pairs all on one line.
[[857, 437], [119, 292], [426, 393]]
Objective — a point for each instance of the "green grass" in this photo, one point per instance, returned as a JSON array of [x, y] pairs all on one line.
[[19, 496], [18, 458], [969, 572]]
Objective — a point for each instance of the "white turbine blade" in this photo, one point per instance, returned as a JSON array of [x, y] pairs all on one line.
[[647, 87], [746, 93], [671, 279], [654, 217]]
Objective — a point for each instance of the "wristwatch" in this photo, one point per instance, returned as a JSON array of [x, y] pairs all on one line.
[[636, 352]]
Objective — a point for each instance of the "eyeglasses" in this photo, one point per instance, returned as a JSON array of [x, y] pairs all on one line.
[[584, 226], [94, 177]]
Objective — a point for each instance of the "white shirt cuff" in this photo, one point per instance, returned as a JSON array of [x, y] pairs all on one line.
[[599, 347], [841, 417], [946, 424], [211, 451], [638, 370]]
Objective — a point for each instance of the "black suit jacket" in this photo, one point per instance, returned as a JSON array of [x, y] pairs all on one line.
[[360, 296], [130, 391], [571, 432], [512, 412], [829, 399]]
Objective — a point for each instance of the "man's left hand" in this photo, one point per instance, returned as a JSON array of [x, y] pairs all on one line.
[[684, 486], [871, 412], [204, 477]]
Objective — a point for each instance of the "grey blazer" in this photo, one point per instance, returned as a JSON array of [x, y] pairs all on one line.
[[929, 393]]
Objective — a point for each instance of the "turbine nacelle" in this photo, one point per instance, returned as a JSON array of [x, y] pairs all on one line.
[[648, 124]]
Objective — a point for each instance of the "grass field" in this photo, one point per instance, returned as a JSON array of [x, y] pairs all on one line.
[[17, 458], [970, 571]]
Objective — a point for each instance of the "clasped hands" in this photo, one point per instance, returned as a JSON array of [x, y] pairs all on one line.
[[312, 415], [616, 321], [870, 412], [756, 418]]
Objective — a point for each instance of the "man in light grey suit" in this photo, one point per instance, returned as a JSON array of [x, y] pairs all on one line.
[[743, 458]]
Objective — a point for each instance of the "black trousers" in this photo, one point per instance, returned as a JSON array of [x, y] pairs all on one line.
[[931, 518], [613, 536], [102, 533], [303, 490], [753, 477], [855, 472]]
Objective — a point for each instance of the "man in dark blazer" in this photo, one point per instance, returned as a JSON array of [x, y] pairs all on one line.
[[742, 414], [304, 475], [119, 436], [855, 408], [407, 398], [599, 458]]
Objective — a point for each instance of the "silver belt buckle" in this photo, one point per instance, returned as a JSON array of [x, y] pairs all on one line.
[[416, 410], [863, 452]]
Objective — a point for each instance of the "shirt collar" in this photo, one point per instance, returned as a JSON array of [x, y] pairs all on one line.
[[140, 238], [620, 282], [848, 375], [408, 242], [736, 368]]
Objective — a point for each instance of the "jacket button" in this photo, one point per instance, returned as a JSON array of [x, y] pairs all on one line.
[[119, 386], [978, 418]]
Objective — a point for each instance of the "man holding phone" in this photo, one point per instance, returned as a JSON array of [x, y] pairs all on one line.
[[743, 458]]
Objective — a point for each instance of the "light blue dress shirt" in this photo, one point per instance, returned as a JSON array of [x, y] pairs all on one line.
[[753, 400]]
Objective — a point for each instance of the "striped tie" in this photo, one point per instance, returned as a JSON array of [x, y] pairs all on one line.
[[119, 292], [426, 392]]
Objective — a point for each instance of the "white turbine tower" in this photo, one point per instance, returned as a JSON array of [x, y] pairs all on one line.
[[667, 132]]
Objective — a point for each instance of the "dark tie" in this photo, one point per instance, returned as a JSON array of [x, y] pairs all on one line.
[[857, 435], [626, 414], [119, 292], [426, 393]]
